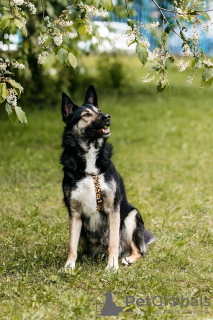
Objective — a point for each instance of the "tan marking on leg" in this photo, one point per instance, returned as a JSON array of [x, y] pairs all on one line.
[[114, 227], [134, 256], [75, 224]]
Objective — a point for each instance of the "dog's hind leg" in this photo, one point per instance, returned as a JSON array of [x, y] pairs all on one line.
[[75, 224], [134, 228]]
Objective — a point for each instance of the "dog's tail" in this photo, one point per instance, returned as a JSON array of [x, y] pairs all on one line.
[[148, 237]]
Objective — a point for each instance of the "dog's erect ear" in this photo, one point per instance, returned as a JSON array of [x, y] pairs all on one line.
[[67, 107], [91, 96]]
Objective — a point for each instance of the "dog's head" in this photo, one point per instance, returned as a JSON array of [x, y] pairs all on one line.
[[86, 121]]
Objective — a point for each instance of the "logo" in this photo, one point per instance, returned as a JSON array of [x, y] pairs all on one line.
[[109, 308]]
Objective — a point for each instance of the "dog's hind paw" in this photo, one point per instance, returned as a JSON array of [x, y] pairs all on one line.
[[126, 262], [70, 265]]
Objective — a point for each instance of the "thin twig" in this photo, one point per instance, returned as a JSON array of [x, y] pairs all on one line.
[[127, 10], [160, 9], [42, 4]]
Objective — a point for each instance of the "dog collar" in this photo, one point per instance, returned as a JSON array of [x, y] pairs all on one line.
[[99, 198]]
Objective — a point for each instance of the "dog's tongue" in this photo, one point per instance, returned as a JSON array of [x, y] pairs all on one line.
[[104, 131]]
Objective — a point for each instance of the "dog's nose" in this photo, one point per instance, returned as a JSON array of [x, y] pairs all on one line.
[[106, 117]]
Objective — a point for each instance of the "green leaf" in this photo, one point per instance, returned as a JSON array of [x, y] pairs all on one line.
[[63, 55], [130, 23], [142, 53], [13, 116], [206, 84], [18, 23], [1, 100], [20, 114], [82, 29], [5, 22], [3, 90], [205, 16], [162, 86], [207, 74], [72, 60], [16, 85], [107, 4], [8, 108], [169, 62]]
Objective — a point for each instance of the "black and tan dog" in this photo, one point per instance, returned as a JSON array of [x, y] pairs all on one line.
[[99, 214]]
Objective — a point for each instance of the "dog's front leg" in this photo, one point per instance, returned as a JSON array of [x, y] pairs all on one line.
[[114, 227], [75, 224]]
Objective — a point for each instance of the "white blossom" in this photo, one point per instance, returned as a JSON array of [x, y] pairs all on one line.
[[42, 56], [150, 25], [71, 35], [18, 65], [145, 42], [12, 97], [42, 38], [208, 62], [3, 66], [155, 54], [187, 51], [88, 28], [182, 64], [31, 7], [18, 2], [190, 79], [149, 77], [58, 39], [94, 12], [63, 22]]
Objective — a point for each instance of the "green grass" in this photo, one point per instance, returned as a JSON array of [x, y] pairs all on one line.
[[163, 149]]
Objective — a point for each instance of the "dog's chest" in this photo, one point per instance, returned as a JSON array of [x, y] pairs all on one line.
[[85, 195]]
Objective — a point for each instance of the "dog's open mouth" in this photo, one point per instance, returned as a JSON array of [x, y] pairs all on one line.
[[103, 131]]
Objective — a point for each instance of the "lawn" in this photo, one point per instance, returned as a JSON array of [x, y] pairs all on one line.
[[163, 149]]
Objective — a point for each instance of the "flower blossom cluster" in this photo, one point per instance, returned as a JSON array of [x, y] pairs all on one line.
[[71, 35], [31, 7], [88, 28], [149, 77], [42, 56], [186, 50], [3, 66], [148, 25], [12, 97], [91, 10], [58, 39], [18, 2], [18, 65], [42, 38], [145, 42], [155, 54], [182, 64], [64, 23]]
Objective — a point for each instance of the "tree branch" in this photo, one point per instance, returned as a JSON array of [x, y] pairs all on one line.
[[164, 18], [42, 4], [127, 10]]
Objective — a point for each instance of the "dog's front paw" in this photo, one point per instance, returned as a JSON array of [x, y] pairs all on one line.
[[112, 267], [69, 265]]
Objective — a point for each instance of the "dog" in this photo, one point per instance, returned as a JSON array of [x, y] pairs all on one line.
[[101, 219]]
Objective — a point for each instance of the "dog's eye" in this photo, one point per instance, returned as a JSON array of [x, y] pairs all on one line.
[[87, 114]]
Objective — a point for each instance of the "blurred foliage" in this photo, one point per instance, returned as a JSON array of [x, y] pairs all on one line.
[[40, 86]]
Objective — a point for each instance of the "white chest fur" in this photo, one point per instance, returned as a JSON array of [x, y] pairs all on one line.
[[91, 156], [85, 195]]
